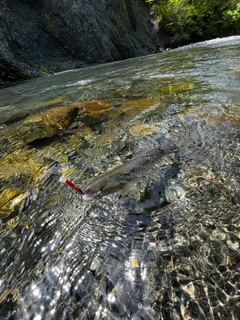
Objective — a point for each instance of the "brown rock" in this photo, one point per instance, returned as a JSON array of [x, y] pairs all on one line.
[[37, 126]]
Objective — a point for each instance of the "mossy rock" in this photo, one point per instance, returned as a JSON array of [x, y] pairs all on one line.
[[135, 106], [176, 88], [12, 201], [21, 162], [143, 130]]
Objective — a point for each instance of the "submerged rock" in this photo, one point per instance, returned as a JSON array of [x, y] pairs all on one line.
[[52, 120], [177, 88], [144, 130], [132, 107], [96, 108], [12, 201], [36, 127]]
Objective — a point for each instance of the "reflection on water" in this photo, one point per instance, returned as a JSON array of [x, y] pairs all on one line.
[[165, 245]]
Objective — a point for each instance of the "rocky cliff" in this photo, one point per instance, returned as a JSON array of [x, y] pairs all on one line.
[[45, 36]]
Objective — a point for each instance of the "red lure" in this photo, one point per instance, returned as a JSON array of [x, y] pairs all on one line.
[[71, 184]]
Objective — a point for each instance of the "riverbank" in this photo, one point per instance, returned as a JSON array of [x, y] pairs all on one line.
[[39, 38], [42, 38]]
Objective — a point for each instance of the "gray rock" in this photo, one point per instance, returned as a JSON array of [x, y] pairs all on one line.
[[39, 37]]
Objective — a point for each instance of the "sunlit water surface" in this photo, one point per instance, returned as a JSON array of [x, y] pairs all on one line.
[[164, 246]]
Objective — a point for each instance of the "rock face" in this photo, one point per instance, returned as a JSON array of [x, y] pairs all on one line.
[[38, 36]]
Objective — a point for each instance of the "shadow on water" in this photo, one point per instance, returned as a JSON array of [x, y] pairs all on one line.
[[162, 245]]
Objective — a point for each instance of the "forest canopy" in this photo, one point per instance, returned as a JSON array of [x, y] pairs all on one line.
[[186, 21]]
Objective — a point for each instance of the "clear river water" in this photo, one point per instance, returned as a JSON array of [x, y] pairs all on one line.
[[163, 241]]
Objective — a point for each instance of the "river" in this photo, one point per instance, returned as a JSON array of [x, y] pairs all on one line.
[[164, 243]]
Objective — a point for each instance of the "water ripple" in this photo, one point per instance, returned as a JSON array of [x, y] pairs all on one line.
[[166, 246]]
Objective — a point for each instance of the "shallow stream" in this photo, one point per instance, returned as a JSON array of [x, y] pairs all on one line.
[[165, 244]]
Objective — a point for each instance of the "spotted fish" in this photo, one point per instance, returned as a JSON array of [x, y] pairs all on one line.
[[114, 179]]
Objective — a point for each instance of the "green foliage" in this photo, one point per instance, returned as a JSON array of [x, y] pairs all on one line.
[[194, 20], [233, 16]]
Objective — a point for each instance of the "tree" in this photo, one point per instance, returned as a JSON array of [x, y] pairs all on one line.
[[195, 20]]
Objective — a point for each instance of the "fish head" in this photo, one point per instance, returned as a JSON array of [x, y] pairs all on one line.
[[87, 197], [91, 193], [95, 188]]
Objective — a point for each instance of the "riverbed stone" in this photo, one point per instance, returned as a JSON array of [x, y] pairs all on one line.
[[52, 120], [96, 108], [19, 163], [132, 107], [143, 130], [35, 127], [11, 201], [177, 88]]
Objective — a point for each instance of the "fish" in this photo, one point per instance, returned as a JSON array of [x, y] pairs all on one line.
[[114, 179]]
